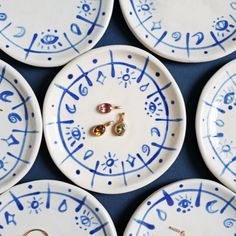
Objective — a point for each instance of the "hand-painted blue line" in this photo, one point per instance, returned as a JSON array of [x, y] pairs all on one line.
[[101, 227], [71, 154], [226, 167], [199, 195], [145, 20], [123, 172], [160, 39], [35, 36], [94, 173], [233, 18], [217, 108], [17, 201], [85, 75], [168, 198], [159, 90], [48, 202], [232, 77], [2, 74], [217, 42], [143, 70], [228, 203], [69, 122], [17, 158], [70, 43], [144, 163], [25, 131], [88, 21], [113, 73], [81, 204], [187, 44], [5, 27], [145, 224], [169, 120], [163, 147], [66, 90], [219, 135], [94, 24], [22, 103]]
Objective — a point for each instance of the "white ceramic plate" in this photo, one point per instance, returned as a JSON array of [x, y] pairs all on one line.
[[51, 33], [189, 207], [57, 208], [154, 114], [20, 129], [186, 31], [215, 125]]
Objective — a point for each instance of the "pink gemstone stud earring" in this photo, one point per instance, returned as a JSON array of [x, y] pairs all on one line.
[[107, 107]]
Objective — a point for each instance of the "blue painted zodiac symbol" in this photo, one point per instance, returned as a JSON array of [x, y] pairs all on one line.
[[110, 162], [35, 205], [221, 25], [126, 77], [146, 7], [184, 203]]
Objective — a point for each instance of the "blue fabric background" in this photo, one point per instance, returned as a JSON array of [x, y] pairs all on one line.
[[191, 79]]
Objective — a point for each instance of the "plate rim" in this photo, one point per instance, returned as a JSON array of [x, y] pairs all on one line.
[[183, 181], [45, 64], [198, 124], [77, 190], [159, 64], [166, 55], [38, 139]]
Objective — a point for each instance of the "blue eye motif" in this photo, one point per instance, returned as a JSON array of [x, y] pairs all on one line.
[[229, 98], [184, 203], [222, 25], [152, 107], [49, 39], [76, 134]]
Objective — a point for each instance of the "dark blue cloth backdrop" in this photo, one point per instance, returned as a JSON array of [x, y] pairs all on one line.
[[191, 79]]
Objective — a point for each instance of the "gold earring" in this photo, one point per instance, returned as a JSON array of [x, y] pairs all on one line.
[[36, 230], [120, 127], [106, 107], [99, 130]]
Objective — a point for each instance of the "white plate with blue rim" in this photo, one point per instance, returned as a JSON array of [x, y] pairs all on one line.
[[46, 207], [215, 125], [190, 31], [142, 138], [21, 127], [51, 33], [189, 207]]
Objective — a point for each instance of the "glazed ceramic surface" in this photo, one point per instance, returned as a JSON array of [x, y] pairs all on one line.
[[154, 118], [20, 129], [51, 33], [187, 30], [189, 207], [215, 125], [54, 207]]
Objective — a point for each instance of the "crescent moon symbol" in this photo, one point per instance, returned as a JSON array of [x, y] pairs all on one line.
[[209, 207], [21, 32]]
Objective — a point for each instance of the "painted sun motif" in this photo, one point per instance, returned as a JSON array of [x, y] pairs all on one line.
[[226, 147], [126, 77], [110, 162], [35, 205], [146, 7], [86, 8], [222, 26]]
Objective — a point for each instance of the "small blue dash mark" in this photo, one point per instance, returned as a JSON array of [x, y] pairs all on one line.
[[168, 198], [147, 225]]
